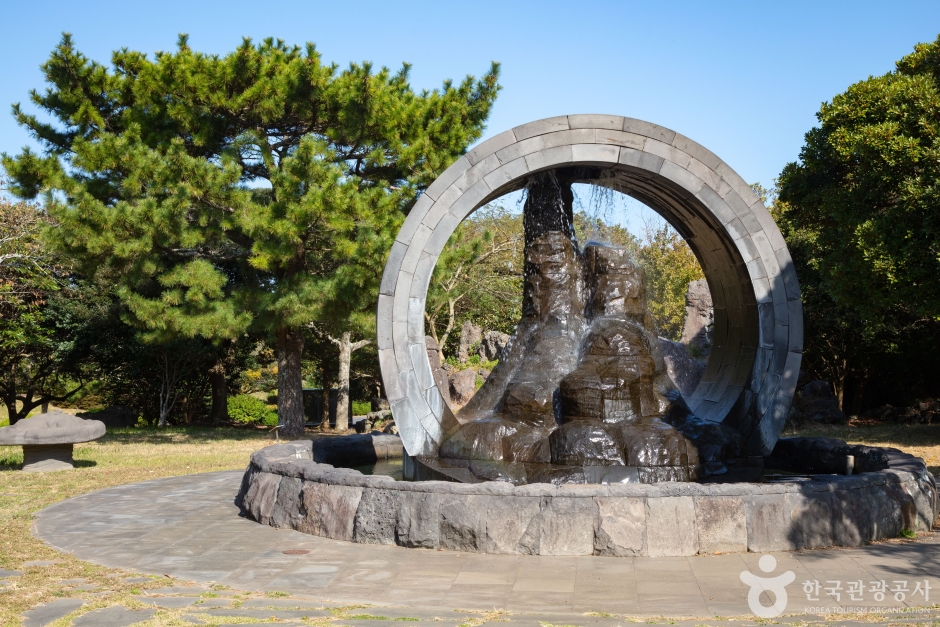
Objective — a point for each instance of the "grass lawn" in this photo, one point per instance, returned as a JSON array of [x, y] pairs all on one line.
[[121, 456], [130, 455]]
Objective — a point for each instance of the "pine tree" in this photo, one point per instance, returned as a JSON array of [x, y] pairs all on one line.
[[255, 190]]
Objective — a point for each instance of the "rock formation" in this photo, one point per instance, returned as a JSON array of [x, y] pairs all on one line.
[[492, 345], [581, 388], [699, 319], [685, 371], [437, 368], [470, 336], [462, 386], [818, 403]]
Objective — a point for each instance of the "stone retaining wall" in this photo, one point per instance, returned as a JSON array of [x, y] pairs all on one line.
[[284, 487]]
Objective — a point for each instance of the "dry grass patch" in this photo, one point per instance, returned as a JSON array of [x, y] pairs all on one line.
[[122, 456]]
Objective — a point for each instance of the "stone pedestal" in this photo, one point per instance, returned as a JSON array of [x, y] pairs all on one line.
[[47, 457]]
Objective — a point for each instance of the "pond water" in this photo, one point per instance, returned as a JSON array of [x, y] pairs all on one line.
[[389, 467]]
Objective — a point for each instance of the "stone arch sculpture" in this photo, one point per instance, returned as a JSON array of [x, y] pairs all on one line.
[[755, 359]]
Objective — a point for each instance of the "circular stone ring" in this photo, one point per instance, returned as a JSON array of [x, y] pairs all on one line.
[[758, 330]]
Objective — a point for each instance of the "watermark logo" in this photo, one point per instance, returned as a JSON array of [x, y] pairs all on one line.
[[775, 585], [854, 591]]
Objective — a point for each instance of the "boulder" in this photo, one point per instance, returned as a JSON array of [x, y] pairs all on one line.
[[492, 345], [818, 403], [463, 385], [699, 318], [584, 443], [115, 417], [470, 336], [437, 368], [684, 371], [926, 412], [365, 424]]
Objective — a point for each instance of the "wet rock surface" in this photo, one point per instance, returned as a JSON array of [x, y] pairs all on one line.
[[583, 382]]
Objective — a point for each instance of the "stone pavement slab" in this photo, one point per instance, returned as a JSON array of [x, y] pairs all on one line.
[[289, 604], [115, 616], [127, 527], [262, 613], [47, 612], [167, 602]]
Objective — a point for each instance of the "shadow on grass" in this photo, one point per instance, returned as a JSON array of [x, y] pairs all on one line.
[[17, 464], [175, 435]]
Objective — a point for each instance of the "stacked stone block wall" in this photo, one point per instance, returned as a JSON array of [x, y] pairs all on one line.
[[284, 487]]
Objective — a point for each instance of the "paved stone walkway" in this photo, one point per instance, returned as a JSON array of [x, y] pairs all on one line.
[[188, 528]]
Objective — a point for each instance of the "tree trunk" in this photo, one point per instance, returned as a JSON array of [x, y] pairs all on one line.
[[167, 391], [324, 397], [838, 384], [219, 410], [290, 396], [451, 319], [346, 349], [342, 384], [10, 402]]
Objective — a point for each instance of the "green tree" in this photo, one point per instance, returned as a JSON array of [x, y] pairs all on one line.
[[255, 190], [861, 215], [36, 355], [478, 276], [864, 194], [47, 319], [670, 266]]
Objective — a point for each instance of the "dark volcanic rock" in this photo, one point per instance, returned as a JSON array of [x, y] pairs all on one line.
[[818, 403], [493, 344], [115, 417], [470, 336], [462, 385], [437, 368], [684, 371], [699, 318], [585, 443], [582, 383]]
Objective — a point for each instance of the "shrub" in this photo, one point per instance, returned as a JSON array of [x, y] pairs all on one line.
[[271, 419], [361, 408], [247, 409]]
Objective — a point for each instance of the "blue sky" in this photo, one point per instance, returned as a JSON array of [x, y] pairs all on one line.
[[744, 79]]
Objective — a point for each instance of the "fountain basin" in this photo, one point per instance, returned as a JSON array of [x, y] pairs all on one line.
[[284, 487]]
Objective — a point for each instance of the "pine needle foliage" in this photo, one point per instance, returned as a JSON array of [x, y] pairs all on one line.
[[257, 190]]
